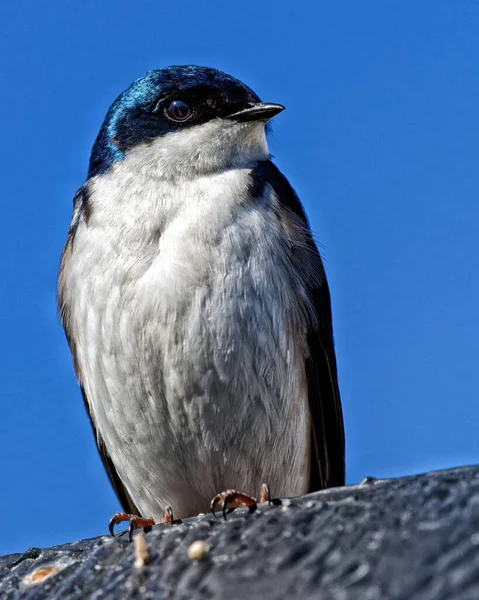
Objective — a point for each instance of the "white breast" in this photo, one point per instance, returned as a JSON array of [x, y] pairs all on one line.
[[189, 338]]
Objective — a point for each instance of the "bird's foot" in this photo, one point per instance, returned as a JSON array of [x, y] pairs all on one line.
[[136, 522], [232, 499]]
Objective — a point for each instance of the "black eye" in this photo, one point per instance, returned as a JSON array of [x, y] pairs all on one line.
[[179, 111]]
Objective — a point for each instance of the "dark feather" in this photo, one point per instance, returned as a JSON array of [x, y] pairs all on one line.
[[80, 211], [327, 435]]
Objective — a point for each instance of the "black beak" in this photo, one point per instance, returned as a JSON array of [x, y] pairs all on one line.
[[261, 111]]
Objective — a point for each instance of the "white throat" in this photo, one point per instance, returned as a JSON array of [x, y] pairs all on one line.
[[213, 147]]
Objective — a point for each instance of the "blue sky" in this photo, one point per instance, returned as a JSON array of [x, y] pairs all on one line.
[[380, 139]]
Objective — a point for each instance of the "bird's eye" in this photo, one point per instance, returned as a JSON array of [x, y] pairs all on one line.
[[178, 111]]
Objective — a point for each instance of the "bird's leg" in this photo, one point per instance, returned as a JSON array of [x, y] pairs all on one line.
[[233, 499], [136, 522]]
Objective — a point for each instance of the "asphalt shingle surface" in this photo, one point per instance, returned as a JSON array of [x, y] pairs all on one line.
[[410, 538]]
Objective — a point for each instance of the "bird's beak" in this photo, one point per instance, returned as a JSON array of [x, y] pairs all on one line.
[[261, 111]]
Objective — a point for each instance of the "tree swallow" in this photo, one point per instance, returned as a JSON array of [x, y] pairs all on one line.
[[196, 306]]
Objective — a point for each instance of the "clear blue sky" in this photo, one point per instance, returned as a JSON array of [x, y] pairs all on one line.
[[380, 139]]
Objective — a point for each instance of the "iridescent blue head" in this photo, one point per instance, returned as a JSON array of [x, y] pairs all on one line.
[[170, 100]]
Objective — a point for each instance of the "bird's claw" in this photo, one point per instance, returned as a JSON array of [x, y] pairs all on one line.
[[136, 522], [230, 499]]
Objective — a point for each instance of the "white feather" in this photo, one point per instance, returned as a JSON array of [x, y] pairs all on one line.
[[189, 336]]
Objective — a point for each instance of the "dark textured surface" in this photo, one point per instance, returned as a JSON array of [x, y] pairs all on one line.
[[409, 538]]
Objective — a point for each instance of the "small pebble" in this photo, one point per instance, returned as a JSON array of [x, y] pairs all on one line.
[[142, 551], [368, 481], [198, 549], [475, 539], [39, 575]]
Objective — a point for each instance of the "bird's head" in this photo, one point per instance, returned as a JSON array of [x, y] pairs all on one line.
[[182, 121]]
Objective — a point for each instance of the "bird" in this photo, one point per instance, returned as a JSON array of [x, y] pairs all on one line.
[[196, 306]]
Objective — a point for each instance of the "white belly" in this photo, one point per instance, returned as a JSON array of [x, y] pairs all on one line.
[[190, 344]]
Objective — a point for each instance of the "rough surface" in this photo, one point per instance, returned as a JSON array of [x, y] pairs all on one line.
[[409, 538]]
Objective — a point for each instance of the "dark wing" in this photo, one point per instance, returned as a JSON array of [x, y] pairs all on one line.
[[328, 447], [80, 211], [327, 435]]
